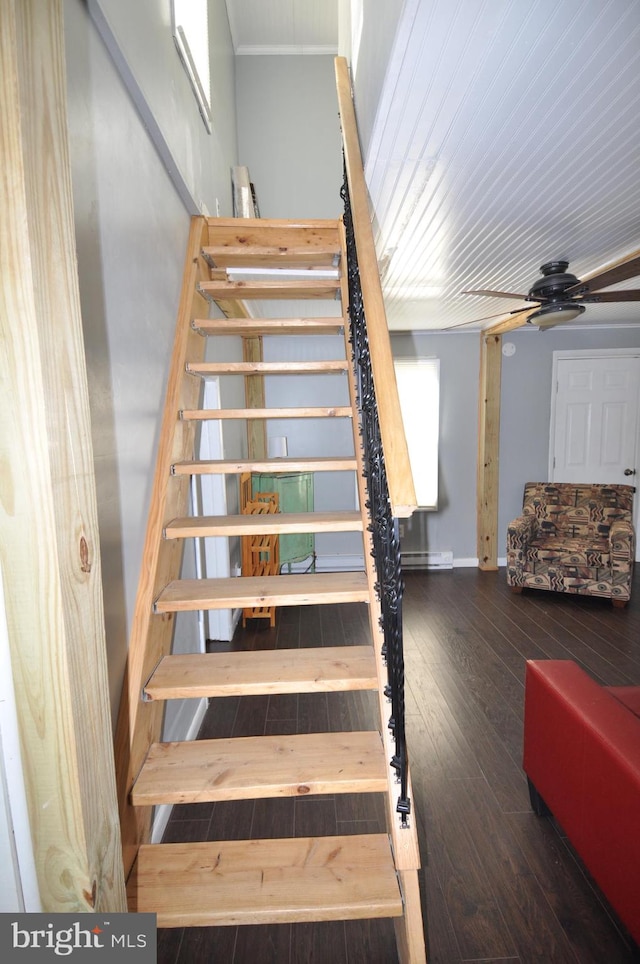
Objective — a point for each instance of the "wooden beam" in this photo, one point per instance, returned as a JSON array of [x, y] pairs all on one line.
[[49, 548], [488, 450], [254, 395], [510, 324]]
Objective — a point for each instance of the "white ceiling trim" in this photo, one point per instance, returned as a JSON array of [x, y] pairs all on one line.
[[284, 50]]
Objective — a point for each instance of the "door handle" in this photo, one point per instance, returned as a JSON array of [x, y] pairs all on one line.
[[629, 471]]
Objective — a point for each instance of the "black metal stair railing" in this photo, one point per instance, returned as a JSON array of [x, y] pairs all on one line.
[[383, 527]]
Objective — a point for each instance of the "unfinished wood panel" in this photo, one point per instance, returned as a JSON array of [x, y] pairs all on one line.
[[268, 881], [253, 767], [329, 669], [48, 518], [139, 723], [489, 449], [398, 468], [188, 595]]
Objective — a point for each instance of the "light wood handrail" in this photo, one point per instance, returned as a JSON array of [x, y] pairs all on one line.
[[399, 478]]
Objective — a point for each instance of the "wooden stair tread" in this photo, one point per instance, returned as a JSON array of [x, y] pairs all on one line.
[[188, 595], [229, 467], [261, 672], [267, 881], [268, 326], [202, 771], [281, 522], [235, 255], [269, 368], [247, 234], [334, 411], [282, 290]]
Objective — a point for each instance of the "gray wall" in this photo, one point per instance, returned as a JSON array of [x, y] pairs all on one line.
[[526, 406], [142, 36], [453, 525], [131, 229], [524, 426], [289, 134]]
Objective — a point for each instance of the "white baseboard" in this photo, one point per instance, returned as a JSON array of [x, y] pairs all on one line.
[[163, 812], [328, 563], [339, 563], [466, 563]]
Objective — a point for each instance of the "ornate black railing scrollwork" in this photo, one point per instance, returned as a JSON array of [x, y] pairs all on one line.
[[383, 527]]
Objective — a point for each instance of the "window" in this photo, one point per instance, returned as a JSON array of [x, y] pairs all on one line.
[[190, 23], [419, 390]]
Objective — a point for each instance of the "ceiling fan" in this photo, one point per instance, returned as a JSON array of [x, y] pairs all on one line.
[[561, 297]]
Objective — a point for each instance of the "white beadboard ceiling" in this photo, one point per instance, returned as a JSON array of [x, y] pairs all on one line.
[[507, 135], [284, 26]]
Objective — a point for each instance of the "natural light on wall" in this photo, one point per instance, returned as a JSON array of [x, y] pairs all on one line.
[[419, 390], [191, 35]]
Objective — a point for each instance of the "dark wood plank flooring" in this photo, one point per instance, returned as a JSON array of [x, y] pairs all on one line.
[[499, 884]]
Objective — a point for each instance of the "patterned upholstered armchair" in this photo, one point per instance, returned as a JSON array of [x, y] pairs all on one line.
[[573, 538]]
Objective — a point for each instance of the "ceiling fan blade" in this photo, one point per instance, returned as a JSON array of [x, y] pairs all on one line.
[[596, 296], [495, 294], [611, 276], [502, 314]]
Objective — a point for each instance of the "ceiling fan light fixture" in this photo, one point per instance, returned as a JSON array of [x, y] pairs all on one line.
[[553, 314]]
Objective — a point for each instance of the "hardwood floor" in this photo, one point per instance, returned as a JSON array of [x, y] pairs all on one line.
[[499, 884]]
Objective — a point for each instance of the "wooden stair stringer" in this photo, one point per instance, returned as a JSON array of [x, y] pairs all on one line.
[[139, 722], [405, 839]]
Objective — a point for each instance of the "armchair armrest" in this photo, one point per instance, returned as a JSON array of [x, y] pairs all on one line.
[[521, 531], [622, 542]]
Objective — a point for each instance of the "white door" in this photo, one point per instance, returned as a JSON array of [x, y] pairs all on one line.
[[594, 418]]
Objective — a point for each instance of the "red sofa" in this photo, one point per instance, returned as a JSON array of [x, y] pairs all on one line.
[[582, 759]]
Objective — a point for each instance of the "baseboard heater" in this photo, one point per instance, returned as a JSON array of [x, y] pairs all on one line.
[[427, 560]]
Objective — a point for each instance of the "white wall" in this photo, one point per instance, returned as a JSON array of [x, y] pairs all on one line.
[[131, 228], [375, 54], [289, 134]]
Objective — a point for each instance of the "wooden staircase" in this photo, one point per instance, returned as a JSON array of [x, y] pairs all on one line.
[[256, 881]]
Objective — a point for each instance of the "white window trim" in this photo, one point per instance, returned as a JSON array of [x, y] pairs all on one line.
[[199, 76]]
